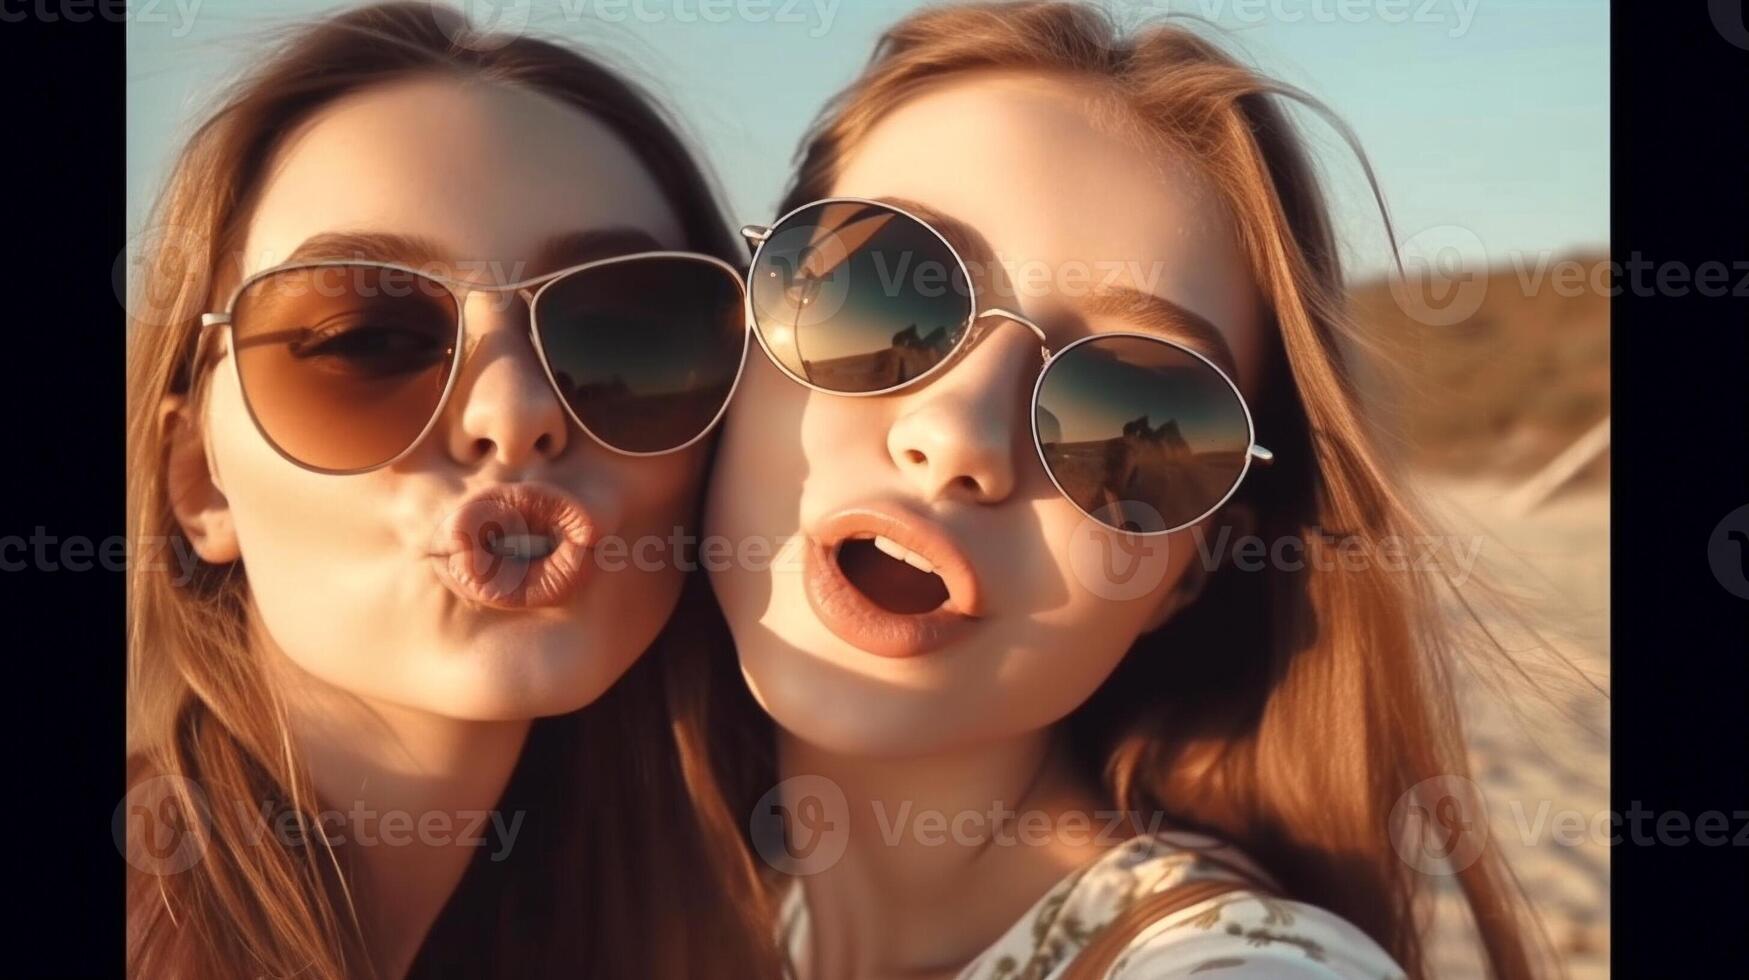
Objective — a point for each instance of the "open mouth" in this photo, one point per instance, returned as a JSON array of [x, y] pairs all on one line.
[[891, 576], [889, 582]]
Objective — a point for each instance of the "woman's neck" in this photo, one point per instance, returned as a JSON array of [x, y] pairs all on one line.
[[944, 853], [407, 796]]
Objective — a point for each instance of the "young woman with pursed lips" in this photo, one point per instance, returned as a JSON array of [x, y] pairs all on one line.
[[947, 643], [393, 468]]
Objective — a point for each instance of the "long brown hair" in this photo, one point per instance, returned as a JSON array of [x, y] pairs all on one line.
[[615, 876], [1291, 734]]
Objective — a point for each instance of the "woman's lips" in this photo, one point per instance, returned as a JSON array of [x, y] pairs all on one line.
[[514, 546], [855, 618]]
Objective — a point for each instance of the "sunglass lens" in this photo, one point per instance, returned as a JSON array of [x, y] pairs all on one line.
[[343, 366], [645, 351], [856, 297], [1141, 434]]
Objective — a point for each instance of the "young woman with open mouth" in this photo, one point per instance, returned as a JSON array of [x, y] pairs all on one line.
[[1040, 296], [431, 318]]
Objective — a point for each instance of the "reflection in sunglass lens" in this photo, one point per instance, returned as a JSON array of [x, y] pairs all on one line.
[[343, 366], [857, 297], [645, 351], [1142, 435]]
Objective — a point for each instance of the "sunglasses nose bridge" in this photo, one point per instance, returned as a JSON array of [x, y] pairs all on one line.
[[487, 304], [996, 314]]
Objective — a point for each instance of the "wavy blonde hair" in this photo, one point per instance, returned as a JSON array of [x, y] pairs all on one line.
[[617, 876], [1298, 743]]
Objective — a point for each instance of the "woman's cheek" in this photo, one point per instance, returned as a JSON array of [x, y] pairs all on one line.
[[655, 494], [1098, 585]]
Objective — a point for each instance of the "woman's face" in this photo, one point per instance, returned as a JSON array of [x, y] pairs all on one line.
[[1081, 230], [487, 183]]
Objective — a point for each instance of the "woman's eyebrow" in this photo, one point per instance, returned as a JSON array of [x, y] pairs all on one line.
[[557, 252], [366, 246], [1159, 315]]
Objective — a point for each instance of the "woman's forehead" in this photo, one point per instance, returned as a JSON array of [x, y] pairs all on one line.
[[483, 172]]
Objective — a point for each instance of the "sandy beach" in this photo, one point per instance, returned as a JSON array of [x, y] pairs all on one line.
[[1536, 758]]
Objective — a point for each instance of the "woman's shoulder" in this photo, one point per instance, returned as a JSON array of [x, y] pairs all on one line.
[[1244, 932], [1252, 935]]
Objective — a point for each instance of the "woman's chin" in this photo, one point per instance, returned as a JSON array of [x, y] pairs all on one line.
[[518, 676]]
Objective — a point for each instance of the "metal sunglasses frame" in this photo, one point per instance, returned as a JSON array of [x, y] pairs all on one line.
[[530, 290], [974, 329]]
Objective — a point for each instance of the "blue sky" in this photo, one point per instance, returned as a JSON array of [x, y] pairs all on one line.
[[1487, 121]]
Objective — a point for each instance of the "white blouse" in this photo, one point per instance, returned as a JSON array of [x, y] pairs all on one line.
[[1238, 935]]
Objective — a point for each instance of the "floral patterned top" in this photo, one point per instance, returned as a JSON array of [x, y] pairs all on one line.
[[1238, 935]]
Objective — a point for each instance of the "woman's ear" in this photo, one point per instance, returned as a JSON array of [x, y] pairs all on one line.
[[1240, 521], [196, 500]]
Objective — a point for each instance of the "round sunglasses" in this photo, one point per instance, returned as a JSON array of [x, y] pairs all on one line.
[[855, 297], [345, 366]]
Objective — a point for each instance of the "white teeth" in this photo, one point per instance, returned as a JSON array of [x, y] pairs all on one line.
[[523, 546], [893, 549], [919, 562]]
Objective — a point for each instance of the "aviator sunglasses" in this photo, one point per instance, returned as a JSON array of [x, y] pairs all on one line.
[[1143, 434], [345, 366]]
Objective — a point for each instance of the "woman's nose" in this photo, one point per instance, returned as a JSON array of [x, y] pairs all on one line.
[[961, 435], [503, 409]]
